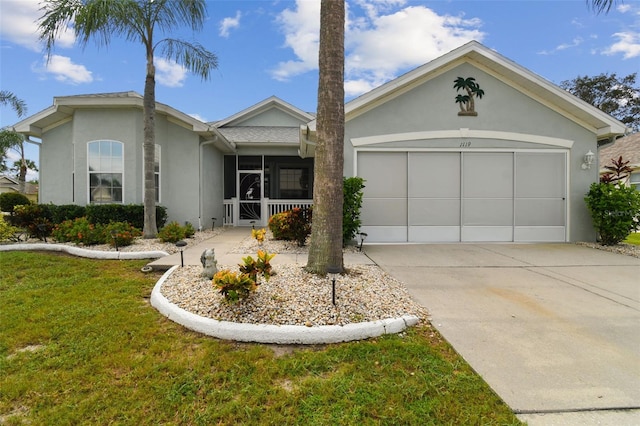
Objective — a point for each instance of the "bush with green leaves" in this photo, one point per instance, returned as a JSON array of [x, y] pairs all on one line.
[[35, 218], [121, 234], [130, 213], [259, 266], [8, 200], [292, 225], [174, 232], [352, 204], [7, 231], [60, 213], [79, 231], [234, 286], [615, 211]]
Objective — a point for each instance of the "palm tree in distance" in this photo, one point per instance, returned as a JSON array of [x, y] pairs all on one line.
[[10, 140], [135, 20]]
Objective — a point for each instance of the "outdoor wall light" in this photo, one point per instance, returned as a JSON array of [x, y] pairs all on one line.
[[588, 160], [114, 234], [333, 272], [362, 235], [181, 245]]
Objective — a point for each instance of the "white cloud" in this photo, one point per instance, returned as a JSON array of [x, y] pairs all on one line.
[[198, 117], [169, 73], [383, 39], [18, 24], [227, 24], [623, 8], [628, 44], [64, 70], [301, 27]]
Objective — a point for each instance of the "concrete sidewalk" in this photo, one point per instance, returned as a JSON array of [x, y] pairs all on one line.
[[226, 244], [553, 328]]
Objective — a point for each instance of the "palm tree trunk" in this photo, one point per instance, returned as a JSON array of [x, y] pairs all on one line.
[[326, 236], [149, 100], [22, 174]]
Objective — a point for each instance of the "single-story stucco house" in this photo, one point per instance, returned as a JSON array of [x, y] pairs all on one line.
[[468, 147]]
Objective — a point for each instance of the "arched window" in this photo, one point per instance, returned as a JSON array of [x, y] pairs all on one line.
[[106, 165]]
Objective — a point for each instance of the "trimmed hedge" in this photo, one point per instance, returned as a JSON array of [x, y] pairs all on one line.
[[8, 200]]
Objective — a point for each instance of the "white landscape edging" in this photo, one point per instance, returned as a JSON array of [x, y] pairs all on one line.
[[81, 252], [279, 334]]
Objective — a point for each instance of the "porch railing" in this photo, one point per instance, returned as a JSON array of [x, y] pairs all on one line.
[[231, 209]]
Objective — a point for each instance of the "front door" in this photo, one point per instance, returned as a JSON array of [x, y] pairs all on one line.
[[250, 197]]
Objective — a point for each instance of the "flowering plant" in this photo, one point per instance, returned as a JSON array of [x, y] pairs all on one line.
[[258, 234]]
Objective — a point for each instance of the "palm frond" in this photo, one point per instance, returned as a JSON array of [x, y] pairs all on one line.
[[192, 56], [17, 104]]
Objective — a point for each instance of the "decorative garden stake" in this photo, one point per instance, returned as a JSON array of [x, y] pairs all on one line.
[[181, 245], [363, 235], [466, 102], [333, 272], [209, 263]]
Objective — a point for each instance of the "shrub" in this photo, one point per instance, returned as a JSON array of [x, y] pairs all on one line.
[[233, 286], [35, 218], [351, 206], [8, 200], [259, 234], [261, 265], [130, 213], [615, 211], [7, 231], [79, 231], [120, 233], [172, 233], [189, 230], [292, 225], [66, 212]]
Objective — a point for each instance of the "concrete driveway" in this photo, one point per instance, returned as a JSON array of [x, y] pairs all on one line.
[[552, 328]]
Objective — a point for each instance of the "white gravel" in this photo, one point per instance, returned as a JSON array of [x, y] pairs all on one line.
[[294, 297]]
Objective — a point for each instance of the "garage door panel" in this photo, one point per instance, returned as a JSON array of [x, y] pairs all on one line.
[[384, 212], [385, 174], [487, 212], [539, 212], [430, 212], [540, 175], [487, 175], [434, 175]]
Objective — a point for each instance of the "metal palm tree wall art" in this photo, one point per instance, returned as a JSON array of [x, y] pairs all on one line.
[[466, 102]]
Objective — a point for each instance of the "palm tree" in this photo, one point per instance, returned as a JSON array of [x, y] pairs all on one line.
[[135, 20], [9, 139], [18, 105], [601, 5], [325, 249], [473, 90]]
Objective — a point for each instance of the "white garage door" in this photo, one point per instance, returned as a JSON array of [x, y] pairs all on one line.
[[464, 196]]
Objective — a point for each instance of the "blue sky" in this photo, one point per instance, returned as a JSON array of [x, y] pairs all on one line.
[[269, 48]]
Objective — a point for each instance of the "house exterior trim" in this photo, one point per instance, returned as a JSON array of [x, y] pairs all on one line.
[[461, 134]]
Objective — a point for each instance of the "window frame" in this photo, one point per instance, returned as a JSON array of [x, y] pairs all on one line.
[[634, 179], [110, 171]]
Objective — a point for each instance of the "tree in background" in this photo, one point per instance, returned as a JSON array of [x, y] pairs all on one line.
[[619, 98], [325, 249], [138, 21], [10, 140]]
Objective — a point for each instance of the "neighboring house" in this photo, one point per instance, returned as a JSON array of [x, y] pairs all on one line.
[[469, 147], [9, 184], [628, 148]]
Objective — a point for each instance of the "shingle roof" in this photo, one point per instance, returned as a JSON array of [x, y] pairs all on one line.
[[628, 147], [260, 134]]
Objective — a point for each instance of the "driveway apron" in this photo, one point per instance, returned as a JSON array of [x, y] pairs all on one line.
[[551, 327]]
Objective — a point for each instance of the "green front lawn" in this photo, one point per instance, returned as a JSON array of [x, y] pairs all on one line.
[[633, 238], [80, 344]]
